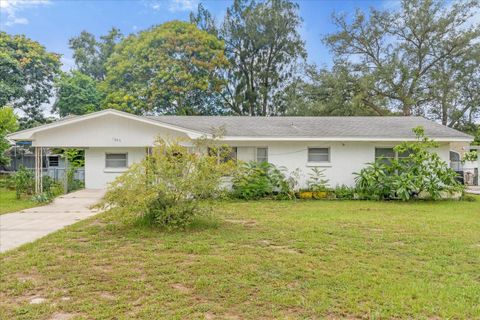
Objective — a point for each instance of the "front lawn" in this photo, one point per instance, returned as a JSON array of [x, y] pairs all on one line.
[[257, 260], [9, 202]]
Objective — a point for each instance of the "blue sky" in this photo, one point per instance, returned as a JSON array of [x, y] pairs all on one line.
[[54, 22]]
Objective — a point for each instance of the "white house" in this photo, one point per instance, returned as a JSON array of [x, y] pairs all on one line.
[[113, 140]]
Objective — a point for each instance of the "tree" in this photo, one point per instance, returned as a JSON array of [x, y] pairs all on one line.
[[455, 88], [91, 54], [172, 68], [77, 94], [401, 51], [8, 124], [27, 73], [335, 92], [263, 46], [204, 20]]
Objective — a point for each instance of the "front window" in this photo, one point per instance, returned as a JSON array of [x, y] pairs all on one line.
[[53, 161], [116, 160], [224, 154], [455, 161], [318, 154], [262, 154], [386, 155]]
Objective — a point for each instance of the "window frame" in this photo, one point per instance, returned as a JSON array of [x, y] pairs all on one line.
[[396, 155], [57, 161], [110, 153], [233, 151], [266, 155], [329, 154]]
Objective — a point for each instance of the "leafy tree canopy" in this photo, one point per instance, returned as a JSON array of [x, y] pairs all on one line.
[[8, 124], [409, 55], [335, 92], [91, 55], [27, 73], [171, 68], [263, 46], [77, 94]]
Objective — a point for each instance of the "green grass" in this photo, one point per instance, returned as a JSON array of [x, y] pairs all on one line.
[[9, 202], [257, 260]]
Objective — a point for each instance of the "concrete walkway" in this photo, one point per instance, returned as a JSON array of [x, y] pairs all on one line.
[[31, 224]]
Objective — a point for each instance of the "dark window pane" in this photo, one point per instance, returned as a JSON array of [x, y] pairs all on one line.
[[388, 153], [53, 161]]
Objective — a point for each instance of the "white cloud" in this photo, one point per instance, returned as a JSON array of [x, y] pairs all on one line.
[[174, 5], [11, 8], [182, 5]]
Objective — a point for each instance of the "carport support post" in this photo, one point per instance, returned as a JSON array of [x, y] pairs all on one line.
[[38, 170], [65, 175]]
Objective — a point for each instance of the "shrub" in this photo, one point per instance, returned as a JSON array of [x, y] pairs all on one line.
[[421, 172], [41, 198], [24, 181], [256, 180], [169, 186], [52, 188], [74, 184], [316, 180], [9, 182], [470, 156], [344, 192], [76, 159]]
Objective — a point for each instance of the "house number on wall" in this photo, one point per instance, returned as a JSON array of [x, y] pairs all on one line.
[[117, 140]]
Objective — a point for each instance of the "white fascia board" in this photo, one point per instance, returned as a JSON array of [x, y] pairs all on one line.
[[28, 133], [230, 138]]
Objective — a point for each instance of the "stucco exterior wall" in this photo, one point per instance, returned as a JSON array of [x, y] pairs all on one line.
[[346, 158], [96, 175], [459, 147]]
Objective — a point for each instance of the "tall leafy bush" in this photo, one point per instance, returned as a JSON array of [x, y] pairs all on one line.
[[169, 187], [421, 172], [256, 180], [24, 182]]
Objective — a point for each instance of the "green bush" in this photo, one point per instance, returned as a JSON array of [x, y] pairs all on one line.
[[344, 192], [7, 181], [470, 156], [41, 198], [256, 180], [74, 184], [420, 173], [316, 180], [52, 188], [24, 181], [170, 187]]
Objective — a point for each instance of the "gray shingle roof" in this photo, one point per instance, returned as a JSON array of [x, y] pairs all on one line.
[[314, 127]]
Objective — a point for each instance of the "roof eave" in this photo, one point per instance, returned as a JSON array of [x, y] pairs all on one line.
[[359, 139]]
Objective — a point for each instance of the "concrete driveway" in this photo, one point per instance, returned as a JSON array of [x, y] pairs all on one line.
[[31, 224]]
